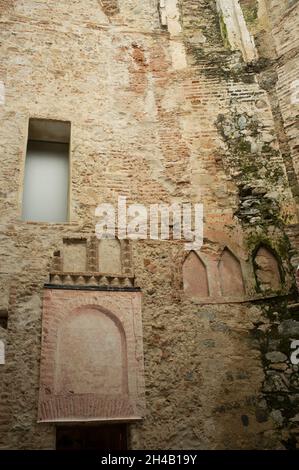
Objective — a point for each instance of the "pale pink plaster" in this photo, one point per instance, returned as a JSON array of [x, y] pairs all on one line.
[[92, 357]]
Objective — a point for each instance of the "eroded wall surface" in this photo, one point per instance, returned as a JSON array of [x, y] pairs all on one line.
[[162, 110], [92, 357]]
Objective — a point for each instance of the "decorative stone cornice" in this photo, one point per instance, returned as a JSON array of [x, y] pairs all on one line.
[[91, 280]]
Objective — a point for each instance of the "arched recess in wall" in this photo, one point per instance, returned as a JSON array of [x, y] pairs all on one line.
[[91, 355], [230, 275], [195, 276], [266, 267], [109, 256]]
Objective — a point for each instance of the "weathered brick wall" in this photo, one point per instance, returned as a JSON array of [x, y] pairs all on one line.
[[276, 22], [285, 20], [148, 127], [275, 25]]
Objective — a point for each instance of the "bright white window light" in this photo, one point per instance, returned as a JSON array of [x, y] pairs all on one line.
[[46, 183]]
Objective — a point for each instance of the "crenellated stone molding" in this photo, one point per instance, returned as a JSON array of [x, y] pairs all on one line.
[[91, 279]]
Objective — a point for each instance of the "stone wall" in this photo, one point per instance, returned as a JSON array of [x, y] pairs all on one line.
[[159, 114], [275, 25]]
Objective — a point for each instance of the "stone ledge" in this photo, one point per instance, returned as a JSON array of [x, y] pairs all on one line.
[[93, 288], [87, 408], [234, 300], [92, 281]]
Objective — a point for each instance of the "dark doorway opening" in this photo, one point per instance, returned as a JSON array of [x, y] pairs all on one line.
[[100, 437]]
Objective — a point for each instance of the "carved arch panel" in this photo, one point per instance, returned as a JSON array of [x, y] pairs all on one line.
[[230, 275], [195, 276]]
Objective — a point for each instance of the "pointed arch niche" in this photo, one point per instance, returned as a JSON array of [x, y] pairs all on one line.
[[195, 276], [267, 269], [230, 275]]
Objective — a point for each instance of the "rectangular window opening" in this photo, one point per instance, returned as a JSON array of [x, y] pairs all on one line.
[[46, 179]]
